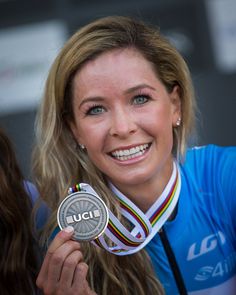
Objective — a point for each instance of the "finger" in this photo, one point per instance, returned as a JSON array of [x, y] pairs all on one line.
[[58, 258], [42, 276], [59, 239], [63, 236], [69, 267], [80, 281]]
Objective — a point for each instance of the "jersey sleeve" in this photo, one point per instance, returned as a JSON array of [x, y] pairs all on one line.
[[226, 179], [214, 169]]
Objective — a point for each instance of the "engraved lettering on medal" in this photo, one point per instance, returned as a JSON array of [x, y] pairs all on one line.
[[84, 216]]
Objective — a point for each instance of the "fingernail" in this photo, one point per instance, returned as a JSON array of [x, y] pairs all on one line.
[[69, 229]]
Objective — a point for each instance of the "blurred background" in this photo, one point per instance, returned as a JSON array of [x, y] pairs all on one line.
[[33, 31]]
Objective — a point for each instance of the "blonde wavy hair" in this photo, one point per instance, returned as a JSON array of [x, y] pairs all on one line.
[[59, 163]]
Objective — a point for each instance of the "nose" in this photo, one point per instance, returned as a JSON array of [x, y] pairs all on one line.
[[122, 123]]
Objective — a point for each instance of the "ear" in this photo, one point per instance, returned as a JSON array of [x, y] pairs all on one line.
[[74, 131], [176, 104]]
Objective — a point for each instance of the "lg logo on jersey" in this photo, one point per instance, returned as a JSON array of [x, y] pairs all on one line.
[[208, 244]]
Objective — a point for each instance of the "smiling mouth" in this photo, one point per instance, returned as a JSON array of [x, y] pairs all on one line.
[[127, 154]]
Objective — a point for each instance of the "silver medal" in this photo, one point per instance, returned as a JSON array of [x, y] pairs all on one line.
[[87, 213]]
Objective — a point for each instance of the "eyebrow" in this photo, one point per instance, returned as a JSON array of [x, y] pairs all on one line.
[[128, 91], [140, 86], [91, 99]]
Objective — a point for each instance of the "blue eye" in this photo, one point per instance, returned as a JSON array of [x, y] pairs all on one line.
[[141, 99], [95, 110]]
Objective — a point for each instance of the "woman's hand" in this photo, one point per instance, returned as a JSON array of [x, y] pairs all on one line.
[[63, 270]]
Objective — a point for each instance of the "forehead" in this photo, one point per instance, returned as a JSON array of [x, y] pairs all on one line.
[[117, 64], [115, 53]]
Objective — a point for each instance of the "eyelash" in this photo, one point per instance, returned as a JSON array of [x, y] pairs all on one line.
[[145, 96], [90, 110]]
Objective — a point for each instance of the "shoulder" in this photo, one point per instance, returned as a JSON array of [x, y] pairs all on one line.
[[211, 170], [211, 156], [213, 166], [211, 149]]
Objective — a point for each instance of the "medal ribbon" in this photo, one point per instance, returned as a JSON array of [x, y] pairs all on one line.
[[145, 226]]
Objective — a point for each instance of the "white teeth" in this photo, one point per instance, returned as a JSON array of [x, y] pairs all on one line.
[[130, 153]]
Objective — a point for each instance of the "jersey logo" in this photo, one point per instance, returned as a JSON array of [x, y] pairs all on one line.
[[208, 244], [223, 268]]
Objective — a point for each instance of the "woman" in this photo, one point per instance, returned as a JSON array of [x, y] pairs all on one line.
[[117, 113], [19, 262]]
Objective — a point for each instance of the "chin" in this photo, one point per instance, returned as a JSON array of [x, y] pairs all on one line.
[[131, 180]]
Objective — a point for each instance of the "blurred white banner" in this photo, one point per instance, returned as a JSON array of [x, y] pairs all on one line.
[[26, 53], [222, 22]]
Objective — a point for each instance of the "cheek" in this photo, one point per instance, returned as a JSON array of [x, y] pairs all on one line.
[[93, 137], [162, 131], [159, 127], [157, 121]]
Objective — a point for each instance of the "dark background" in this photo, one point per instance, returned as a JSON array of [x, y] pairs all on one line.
[[185, 22]]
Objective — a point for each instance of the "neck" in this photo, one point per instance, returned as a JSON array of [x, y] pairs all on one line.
[[146, 193]]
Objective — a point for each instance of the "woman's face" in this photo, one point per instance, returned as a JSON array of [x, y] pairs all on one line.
[[124, 116]]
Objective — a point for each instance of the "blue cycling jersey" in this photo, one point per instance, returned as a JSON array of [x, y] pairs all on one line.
[[202, 235]]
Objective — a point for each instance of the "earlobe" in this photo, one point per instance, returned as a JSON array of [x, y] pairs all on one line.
[[176, 102]]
